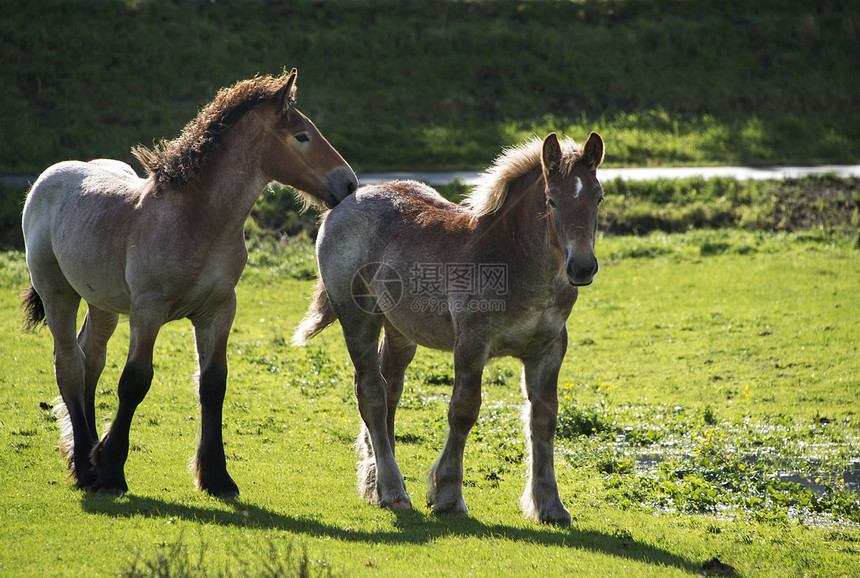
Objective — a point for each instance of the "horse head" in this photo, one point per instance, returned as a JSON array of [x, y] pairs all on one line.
[[297, 154], [573, 196]]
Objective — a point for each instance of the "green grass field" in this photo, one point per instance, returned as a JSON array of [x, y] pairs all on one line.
[[709, 418], [708, 410]]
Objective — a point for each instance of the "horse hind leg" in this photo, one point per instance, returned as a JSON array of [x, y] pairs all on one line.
[[445, 481], [366, 465], [60, 303], [395, 354], [381, 482], [92, 341], [96, 331]]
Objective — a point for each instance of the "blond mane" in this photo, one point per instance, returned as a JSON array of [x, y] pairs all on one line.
[[490, 193]]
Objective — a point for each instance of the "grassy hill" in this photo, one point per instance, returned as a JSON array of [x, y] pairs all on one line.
[[443, 85]]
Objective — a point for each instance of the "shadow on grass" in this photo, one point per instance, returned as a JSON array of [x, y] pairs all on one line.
[[412, 527]]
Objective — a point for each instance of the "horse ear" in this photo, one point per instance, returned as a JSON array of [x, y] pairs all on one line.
[[592, 154], [551, 153], [287, 94]]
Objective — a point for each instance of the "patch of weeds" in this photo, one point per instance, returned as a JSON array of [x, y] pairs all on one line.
[[697, 463], [643, 436], [574, 422], [511, 452], [409, 438], [624, 537], [431, 374], [417, 398], [498, 375], [441, 374], [266, 363], [348, 438], [710, 248], [494, 477], [175, 560], [615, 465]]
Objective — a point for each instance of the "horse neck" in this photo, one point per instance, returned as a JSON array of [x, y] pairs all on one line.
[[228, 187], [526, 227]]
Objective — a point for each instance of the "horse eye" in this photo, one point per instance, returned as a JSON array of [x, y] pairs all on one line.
[[551, 203], [599, 201], [302, 137]]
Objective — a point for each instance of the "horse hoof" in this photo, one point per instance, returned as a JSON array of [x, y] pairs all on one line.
[[457, 508], [87, 483], [226, 495], [562, 518], [109, 484], [225, 488], [110, 491], [399, 506]]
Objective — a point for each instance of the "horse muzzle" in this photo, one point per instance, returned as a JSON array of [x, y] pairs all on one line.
[[340, 183], [581, 273]]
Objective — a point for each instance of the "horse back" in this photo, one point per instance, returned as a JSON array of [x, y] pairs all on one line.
[[74, 194], [454, 279]]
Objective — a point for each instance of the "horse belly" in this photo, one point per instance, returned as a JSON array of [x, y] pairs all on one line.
[[527, 333], [427, 329], [201, 299], [105, 296]]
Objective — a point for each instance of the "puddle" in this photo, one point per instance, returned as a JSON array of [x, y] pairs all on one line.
[[849, 479], [817, 482]]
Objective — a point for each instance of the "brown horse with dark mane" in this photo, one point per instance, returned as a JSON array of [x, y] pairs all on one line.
[[498, 276], [166, 247]]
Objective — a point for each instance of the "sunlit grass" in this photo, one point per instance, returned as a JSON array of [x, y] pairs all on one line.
[[708, 409]]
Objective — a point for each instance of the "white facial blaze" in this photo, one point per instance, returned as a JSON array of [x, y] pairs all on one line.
[[577, 188]]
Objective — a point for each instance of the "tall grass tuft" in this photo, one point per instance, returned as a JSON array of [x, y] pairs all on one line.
[[175, 560]]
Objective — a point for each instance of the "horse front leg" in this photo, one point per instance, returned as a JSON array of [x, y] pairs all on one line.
[[110, 454], [210, 464], [445, 481], [540, 500]]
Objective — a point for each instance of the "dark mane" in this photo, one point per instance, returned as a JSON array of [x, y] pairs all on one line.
[[176, 162]]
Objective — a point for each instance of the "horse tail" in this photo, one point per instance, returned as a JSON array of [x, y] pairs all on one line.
[[34, 309], [319, 316]]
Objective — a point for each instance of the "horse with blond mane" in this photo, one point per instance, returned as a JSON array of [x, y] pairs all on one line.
[[166, 247], [496, 277]]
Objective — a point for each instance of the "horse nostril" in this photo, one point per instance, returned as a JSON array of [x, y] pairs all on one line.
[[351, 187], [581, 274]]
